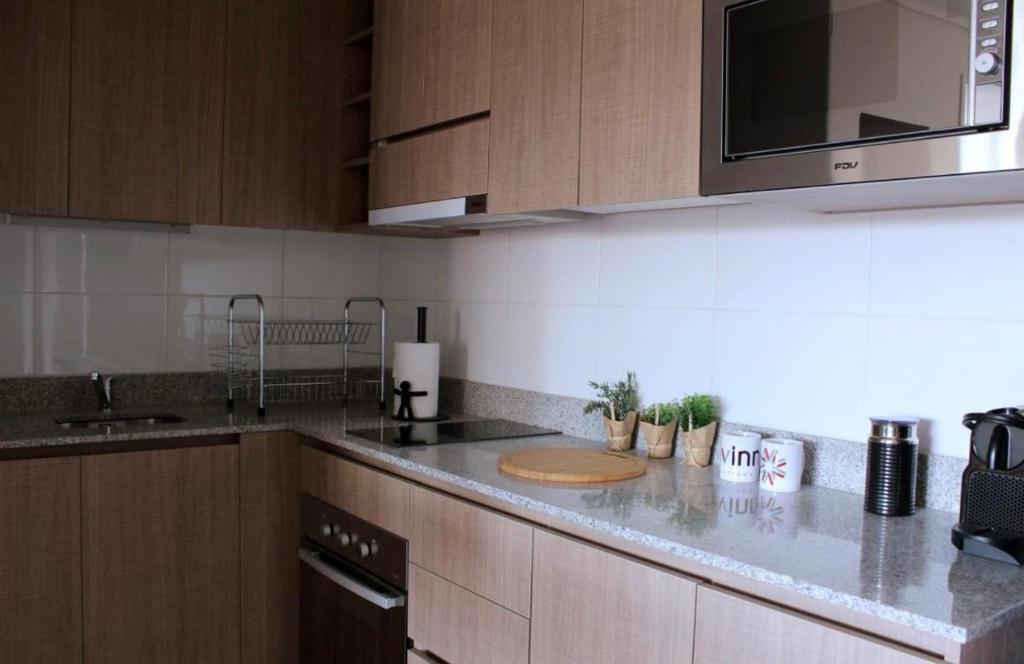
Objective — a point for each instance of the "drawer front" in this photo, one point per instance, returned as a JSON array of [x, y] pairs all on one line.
[[472, 547], [371, 495], [447, 163], [451, 624], [734, 629]]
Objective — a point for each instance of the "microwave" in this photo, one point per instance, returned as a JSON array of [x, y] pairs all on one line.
[[822, 93]]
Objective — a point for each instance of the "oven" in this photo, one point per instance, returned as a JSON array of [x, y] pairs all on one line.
[[353, 588], [802, 93]]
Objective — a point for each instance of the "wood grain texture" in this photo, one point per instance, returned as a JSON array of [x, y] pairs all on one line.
[[454, 625], [40, 561], [161, 556], [640, 126], [1000, 645], [535, 105], [574, 465], [441, 164], [283, 136], [270, 530], [431, 63], [371, 495], [475, 548], [147, 110], [727, 623], [35, 93], [591, 607]]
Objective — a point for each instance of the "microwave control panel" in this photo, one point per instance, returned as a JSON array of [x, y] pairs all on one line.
[[990, 32]]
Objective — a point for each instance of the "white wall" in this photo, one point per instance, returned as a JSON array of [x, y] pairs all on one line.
[[75, 300], [800, 322]]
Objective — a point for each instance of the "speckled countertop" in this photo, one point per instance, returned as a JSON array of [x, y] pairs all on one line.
[[818, 542]]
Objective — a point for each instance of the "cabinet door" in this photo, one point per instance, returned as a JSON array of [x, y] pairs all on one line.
[[270, 532], [40, 561], [591, 606], [161, 555], [451, 624], [535, 105], [737, 630], [431, 63], [147, 109], [283, 136], [640, 133]]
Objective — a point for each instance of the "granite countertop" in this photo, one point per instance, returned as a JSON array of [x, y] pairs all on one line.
[[818, 542]]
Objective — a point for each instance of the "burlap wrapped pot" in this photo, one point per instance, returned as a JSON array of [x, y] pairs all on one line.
[[658, 439], [697, 445], [620, 434]]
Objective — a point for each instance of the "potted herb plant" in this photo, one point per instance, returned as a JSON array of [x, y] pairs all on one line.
[[618, 404], [658, 425], [697, 420]]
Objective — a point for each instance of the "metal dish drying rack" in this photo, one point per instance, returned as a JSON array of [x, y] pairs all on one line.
[[243, 359]]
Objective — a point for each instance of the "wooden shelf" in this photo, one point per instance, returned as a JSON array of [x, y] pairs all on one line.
[[355, 164], [358, 101], [361, 39]]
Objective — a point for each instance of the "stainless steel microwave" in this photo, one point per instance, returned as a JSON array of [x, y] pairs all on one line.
[[806, 93]]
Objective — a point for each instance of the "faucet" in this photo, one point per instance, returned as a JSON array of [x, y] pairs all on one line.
[[102, 388]]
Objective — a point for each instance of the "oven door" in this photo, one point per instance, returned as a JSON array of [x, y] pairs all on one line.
[[348, 616]]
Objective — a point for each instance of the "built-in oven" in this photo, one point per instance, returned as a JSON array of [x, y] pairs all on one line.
[[353, 588], [800, 93]]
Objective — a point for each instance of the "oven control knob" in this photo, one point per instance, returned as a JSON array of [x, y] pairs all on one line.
[[345, 539], [987, 63], [364, 550], [374, 548], [326, 530]]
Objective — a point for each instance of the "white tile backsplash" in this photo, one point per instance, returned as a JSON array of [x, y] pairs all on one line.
[[474, 269], [555, 264], [474, 340], [16, 338], [331, 265], [16, 265], [552, 348], [408, 269], [213, 260], [70, 260]]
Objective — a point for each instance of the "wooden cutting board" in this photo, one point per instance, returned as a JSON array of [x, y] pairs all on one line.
[[571, 464]]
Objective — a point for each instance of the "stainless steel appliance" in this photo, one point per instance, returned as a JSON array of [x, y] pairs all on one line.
[[809, 93], [890, 483], [353, 577]]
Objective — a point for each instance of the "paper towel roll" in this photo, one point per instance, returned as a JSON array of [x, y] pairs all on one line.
[[420, 364]]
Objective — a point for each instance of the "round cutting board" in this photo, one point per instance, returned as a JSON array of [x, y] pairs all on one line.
[[571, 464]]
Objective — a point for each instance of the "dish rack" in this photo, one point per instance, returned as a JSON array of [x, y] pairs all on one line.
[[243, 359]]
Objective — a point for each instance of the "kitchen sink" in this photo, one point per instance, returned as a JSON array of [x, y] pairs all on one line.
[[117, 420]]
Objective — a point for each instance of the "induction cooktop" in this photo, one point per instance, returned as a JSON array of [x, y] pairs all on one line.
[[404, 434]]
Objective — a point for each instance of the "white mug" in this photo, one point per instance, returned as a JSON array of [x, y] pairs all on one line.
[[739, 456], [782, 464]]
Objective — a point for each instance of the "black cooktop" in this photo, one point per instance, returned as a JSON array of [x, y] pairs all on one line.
[[439, 433]]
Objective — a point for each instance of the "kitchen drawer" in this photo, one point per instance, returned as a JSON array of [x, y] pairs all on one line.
[[447, 163], [473, 547], [451, 624], [370, 495], [734, 629]]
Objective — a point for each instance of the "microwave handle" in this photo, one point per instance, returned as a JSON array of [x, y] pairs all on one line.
[[341, 579]]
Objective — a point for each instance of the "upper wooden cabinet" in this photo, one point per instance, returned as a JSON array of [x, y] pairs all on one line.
[[431, 63], [35, 92], [535, 105], [640, 127], [147, 110]]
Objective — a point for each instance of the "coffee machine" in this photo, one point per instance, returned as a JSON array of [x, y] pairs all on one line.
[[992, 491]]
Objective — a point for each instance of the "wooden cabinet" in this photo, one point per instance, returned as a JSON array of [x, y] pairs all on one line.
[[484, 552], [283, 135], [447, 163], [270, 531], [160, 552], [452, 624], [431, 63], [640, 126], [147, 110], [535, 105], [40, 561], [371, 495], [736, 629], [35, 93], [592, 606]]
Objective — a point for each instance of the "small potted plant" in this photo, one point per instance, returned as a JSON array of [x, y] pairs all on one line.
[[658, 425], [697, 420], [618, 404]]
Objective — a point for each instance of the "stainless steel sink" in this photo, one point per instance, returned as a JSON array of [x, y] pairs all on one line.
[[118, 420]]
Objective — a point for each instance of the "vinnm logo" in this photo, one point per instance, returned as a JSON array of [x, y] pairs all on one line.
[[845, 165]]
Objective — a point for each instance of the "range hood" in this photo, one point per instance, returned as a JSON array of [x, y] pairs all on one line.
[[468, 213]]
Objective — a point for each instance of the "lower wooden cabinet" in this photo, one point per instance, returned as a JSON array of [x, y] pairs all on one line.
[[591, 606], [737, 630], [160, 540], [40, 562], [451, 624]]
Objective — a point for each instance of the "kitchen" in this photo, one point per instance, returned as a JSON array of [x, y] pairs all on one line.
[[510, 331]]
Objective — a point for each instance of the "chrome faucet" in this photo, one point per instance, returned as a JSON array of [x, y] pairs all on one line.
[[102, 388]]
